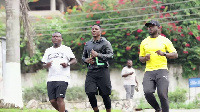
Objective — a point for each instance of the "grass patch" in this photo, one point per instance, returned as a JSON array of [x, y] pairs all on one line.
[[39, 110], [93, 111], [143, 104], [26, 110], [182, 105]]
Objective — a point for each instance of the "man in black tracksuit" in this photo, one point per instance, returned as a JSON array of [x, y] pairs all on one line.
[[96, 54]]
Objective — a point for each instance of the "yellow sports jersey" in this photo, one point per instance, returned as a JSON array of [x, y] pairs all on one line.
[[150, 46]]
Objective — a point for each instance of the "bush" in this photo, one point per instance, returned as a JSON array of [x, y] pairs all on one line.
[[182, 105], [39, 90], [196, 101], [143, 104], [2, 25], [176, 100], [76, 94], [114, 95], [178, 96]]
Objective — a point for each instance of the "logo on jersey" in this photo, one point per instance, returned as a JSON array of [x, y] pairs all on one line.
[[165, 77], [55, 55]]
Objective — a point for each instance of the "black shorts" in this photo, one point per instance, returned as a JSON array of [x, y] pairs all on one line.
[[56, 89], [98, 81]]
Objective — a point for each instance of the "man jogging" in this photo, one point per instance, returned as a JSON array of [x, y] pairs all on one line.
[[57, 59], [96, 54], [153, 51]]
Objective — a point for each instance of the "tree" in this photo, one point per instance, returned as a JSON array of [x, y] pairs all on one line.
[[123, 25], [12, 78]]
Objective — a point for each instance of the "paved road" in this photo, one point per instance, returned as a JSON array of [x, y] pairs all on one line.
[[173, 110], [152, 110]]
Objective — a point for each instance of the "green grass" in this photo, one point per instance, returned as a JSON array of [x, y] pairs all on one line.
[[39, 110], [143, 104], [173, 105], [93, 111], [25, 110], [183, 105]]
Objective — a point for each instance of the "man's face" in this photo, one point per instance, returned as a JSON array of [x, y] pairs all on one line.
[[96, 31], [153, 30], [57, 38], [129, 63]]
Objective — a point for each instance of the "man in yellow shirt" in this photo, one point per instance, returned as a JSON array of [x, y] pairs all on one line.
[[154, 50]]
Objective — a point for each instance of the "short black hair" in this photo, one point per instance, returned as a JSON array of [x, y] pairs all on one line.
[[129, 60], [97, 25], [57, 32]]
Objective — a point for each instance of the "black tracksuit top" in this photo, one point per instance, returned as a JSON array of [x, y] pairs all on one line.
[[104, 50]]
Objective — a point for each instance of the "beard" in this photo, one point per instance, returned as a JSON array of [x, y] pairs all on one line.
[[153, 33], [129, 66], [55, 44]]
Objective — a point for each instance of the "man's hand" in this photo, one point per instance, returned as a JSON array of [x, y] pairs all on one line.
[[159, 52], [137, 84], [64, 65], [94, 53], [127, 74], [131, 73], [89, 60], [147, 57], [47, 65]]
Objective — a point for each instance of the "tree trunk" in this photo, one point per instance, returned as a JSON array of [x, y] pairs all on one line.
[[12, 77]]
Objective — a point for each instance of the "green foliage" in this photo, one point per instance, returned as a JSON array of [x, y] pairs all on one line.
[[2, 22], [178, 96], [33, 0], [114, 95], [39, 110], [25, 110], [39, 90], [123, 28], [183, 105], [176, 100], [2, 29], [196, 101], [143, 104], [176, 104], [198, 96], [76, 94]]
